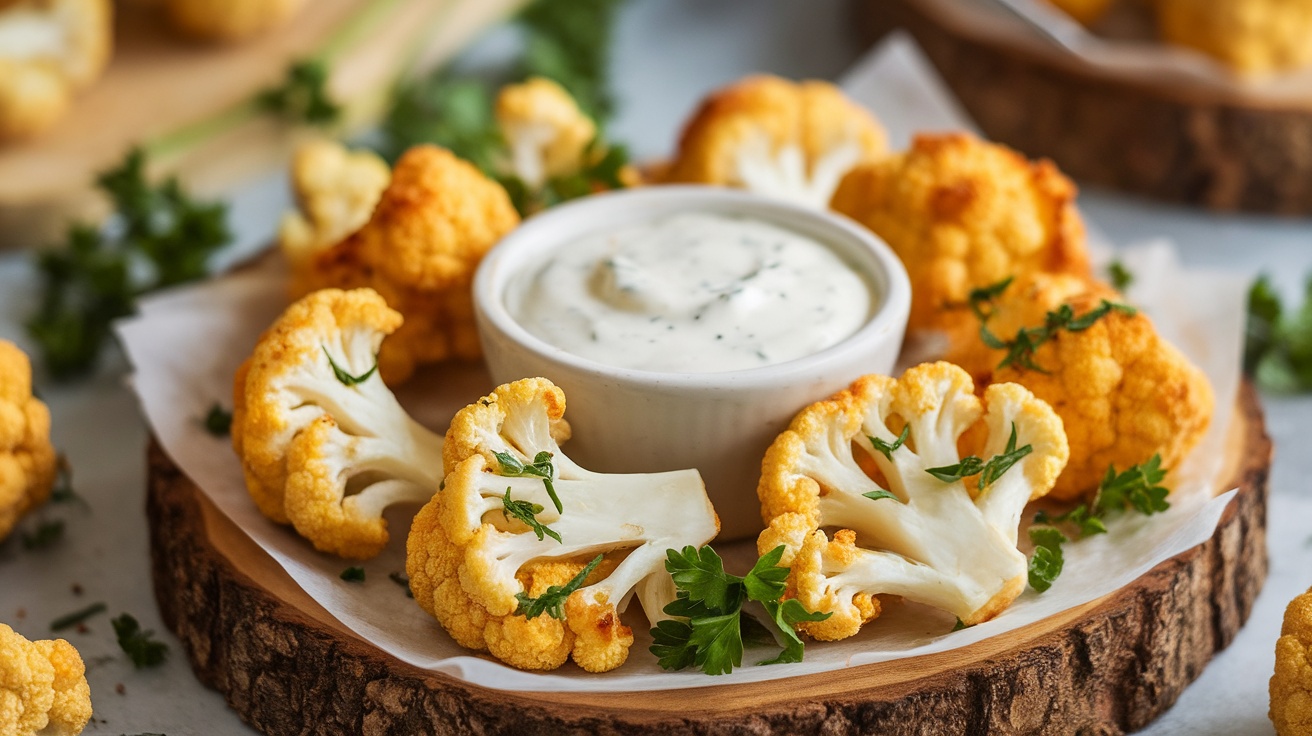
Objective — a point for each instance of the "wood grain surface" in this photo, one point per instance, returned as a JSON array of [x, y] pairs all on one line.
[[1226, 149], [1108, 667]]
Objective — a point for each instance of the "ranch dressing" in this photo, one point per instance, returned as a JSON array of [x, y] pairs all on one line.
[[693, 293]]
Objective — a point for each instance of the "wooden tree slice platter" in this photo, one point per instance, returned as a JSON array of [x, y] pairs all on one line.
[[1108, 667], [1227, 148]]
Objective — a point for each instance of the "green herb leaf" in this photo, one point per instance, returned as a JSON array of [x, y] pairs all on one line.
[[885, 448], [158, 237], [700, 574], [343, 376], [218, 421], [718, 642], [1021, 348], [303, 95], [1047, 561], [960, 625], [552, 601], [981, 299], [511, 467], [999, 464], [402, 580], [879, 493], [137, 644], [353, 575], [46, 535], [63, 492], [527, 512], [1137, 486], [1121, 276], [969, 465], [755, 633], [672, 644], [69, 620], [786, 614]]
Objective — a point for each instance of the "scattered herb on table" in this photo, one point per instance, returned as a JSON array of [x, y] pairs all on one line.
[[141, 648], [303, 95], [63, 492], [353, 575], [402, 580], [1121, 276], [1278, 343], [69, 620]]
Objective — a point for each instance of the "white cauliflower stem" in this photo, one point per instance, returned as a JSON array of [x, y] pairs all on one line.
[[323, 441], [947, 544]]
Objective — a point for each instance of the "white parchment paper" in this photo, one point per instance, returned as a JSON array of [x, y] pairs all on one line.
[[186, 344]]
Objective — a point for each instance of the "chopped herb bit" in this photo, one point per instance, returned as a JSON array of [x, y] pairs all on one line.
[[63, 491], [988, 472], [885, 448], [159, 236], [511, 467], [218, 421], [552, 601], [138, 644], [343, 376], [981, 299], [1137, 487], [1278, 345], [527, 512], [1121, 276], [46, 535], [353, 574], [1047, 561], [711, 638], [880, 493], [70, 620], [303, 95], [402, 580], [1021, 348], [960, 625]]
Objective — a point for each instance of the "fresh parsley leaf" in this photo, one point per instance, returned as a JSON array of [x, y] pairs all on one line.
[[1121, 276], [527, 512], [969, 465], [511, 467], [1089, 523], [353, 575], [999, 464], [981, 299], [700, 574], [879, 493], [69, 620], [718, 642], [1137, 486], [1262, 332], [885, 448], [1278, 345], [755, 633], [402, 580], [786, 614], [46, 535], [218, 421], [138, 644], [569, 42], [672, 644], [766, 581], [1021, 348], [552, 601], [1047, 561], [345, 377], [303, 95], [158, 236]]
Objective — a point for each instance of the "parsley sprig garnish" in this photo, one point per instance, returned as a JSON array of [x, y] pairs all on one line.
[[47, 534], [541, 467], [1278, 344], [143, 650], [1137, 487], [708, 631], [552, 601], [354, 574], [345, 376], [303, 95], [989, 472], [527, 512], [218, 421]]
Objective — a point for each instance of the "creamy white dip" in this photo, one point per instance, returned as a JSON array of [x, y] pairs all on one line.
[[693, 293]]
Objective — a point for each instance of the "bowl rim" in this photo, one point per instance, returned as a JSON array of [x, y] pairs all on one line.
[[513, 253]]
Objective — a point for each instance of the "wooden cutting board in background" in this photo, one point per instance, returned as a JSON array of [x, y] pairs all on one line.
[[158, 84]]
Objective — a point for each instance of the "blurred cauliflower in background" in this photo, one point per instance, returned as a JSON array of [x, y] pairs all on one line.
[[791, 140], [28, 462], [428, 232], [49, 49], [1123, 393], [336, 190], [1250, 35], [43, 687], [229, 20], [1087, 12], [963, 213], [1291, 685]]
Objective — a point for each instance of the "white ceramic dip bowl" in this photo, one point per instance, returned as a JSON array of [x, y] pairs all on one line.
[[636, 421]]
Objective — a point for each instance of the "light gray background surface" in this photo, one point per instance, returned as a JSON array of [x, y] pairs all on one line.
[[668, 54]]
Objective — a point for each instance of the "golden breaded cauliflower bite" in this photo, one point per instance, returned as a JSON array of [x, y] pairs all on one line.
[[229, 20], [434, 222], [28, 462], [49, 49], [336, 190], [1124, 393], [963, 213], [532, 558], [323, 443], [1253, 36], [1291, 685], [791, 140], [879, 463], [43, 687]]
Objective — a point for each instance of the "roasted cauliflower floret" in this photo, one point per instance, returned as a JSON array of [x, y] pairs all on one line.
[[28, 463], [1123, 392], [962, 213], [43, 687], [323, 443], [1291, 685], [545, 131], [528, 556], [336, 190], [229, 20], [1253, 36], [792, 140], [902, 528], [49, 49], [429, 230]]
